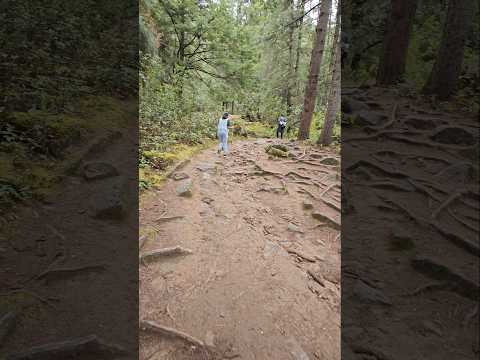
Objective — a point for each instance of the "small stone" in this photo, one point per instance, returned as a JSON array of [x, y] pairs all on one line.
[[184, 189], [307, 205], [207, 200], [210, 338], [207, 167], [98, 170], [329, 161], [180, 176], [294, 228]]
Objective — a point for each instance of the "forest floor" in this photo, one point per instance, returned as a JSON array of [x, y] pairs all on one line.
[[248, 261], [415, 168], [64, 275]]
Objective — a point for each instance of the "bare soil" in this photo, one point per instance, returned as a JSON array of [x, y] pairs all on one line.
[[410, 249], [260, 276], [65, 273]]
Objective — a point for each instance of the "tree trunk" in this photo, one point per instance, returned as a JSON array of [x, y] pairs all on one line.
[[290, 78], [334, 88], [331, 66], [334, 94], [315, 61], [300, 10], [448, 65], [395, 42]]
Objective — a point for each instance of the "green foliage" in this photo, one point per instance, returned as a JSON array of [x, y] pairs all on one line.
[[10, 192], [365, 25], [55, 51]]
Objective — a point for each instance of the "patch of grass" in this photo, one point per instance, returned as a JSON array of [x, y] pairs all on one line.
[[152, 176], [260, 129]]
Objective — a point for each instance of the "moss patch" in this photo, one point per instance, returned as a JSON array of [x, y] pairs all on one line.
[[36, 145], [152, 172]]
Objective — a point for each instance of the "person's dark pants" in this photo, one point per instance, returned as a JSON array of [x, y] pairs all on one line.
[[344, 58], [280, 131]]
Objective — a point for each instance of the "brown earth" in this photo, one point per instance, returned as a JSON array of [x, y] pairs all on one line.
[[410, 245], [64, 271], [262, 280]]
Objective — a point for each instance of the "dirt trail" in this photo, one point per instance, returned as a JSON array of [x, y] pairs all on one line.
[[419, 275], [64, 272], [263, 277]]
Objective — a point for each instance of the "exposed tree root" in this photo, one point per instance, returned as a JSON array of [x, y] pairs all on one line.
[[317, 164], [301, 255], [303, 182], [434, 269], [165, 252], [294, 174], [461, 221], [375, 136], [408, 156], [165, 219], [424, 190], [331, 204], [50, 275], [427, 288], [446, 203], [329, 187], [466, 244], [147, 325], [71, 349], [391, 119], [316, 277], [326, 218], [378, 167], [470, 246], [416, 218], [369, 352], [390, 185]]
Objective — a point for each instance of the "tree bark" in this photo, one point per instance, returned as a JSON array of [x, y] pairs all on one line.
[[290, 78], [395, 42], [331, 66], [448, 64], [334, 91], [315, 61], [300, 10]]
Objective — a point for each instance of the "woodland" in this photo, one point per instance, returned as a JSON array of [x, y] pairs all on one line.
[[427, 47], [255, 59]]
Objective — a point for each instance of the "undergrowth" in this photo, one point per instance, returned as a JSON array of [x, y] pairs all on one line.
[[36, 147]]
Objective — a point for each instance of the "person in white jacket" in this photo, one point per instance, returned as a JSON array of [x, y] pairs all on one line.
[[222, 133]]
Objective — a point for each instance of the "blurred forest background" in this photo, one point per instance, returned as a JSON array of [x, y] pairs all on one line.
[[420, 33], [67, 71], [248, 57]]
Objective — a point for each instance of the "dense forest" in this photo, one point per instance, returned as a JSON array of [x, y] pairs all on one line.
[[255, 59], [67, 71], [427, 47]]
